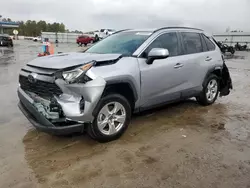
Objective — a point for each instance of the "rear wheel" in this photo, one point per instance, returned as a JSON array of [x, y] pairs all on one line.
[[210, 91], [232, 51], [112, 117]]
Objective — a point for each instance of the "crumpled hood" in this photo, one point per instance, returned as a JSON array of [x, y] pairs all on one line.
[[64, 60]]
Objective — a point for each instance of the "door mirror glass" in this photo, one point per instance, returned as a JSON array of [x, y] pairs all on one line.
[[157, 53]]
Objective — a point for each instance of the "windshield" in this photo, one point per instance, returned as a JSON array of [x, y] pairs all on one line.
[[125, 43]]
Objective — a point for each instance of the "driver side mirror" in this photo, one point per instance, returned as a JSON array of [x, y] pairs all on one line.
[[157, 53]]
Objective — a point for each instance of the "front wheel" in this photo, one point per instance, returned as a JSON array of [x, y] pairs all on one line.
[[112, 117], [232, 51], [210, 91]]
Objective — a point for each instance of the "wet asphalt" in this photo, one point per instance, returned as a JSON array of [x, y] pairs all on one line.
[[179, 145]]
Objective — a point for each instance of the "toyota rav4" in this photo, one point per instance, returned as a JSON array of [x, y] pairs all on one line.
[[127, 72]]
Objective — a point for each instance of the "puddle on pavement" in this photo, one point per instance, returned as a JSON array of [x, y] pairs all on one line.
[[6, 56]]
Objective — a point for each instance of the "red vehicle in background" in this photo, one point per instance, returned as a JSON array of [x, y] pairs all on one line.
[[84, 39]]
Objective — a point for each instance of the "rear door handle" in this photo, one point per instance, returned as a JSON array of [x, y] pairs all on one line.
[[178, 65], [208, 58]]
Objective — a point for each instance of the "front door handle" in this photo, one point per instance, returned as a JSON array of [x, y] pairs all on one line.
[[178, 65], [208, 58]]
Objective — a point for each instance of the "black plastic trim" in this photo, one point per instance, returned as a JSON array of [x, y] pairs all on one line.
[[210, 71], [124, 80]]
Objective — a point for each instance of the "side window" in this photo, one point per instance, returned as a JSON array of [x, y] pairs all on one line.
[[192, 43], [210, 44], [204, 45], [168, 41]]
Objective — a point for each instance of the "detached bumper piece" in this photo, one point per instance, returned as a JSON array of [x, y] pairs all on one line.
[[26, 105], [226, 81]]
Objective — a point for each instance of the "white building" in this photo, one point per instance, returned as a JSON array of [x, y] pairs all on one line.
[[231, 38]]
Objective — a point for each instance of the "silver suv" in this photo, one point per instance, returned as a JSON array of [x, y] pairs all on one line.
[[127, 72]]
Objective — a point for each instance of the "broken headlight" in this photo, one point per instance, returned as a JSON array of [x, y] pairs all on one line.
[[76, 74]]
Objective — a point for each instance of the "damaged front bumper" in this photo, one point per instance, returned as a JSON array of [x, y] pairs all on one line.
[[77, 104], [26, 105]]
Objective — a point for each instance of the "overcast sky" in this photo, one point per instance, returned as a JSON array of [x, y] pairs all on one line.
[[85, 15]]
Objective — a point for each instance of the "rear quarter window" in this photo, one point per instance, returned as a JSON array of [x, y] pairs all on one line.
[[209, 43], [192, 42]]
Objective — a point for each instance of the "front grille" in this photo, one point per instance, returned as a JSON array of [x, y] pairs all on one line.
[[41, 88]]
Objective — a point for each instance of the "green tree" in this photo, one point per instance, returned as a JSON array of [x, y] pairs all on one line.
[[33, 28], [62, 27], [41, 26]]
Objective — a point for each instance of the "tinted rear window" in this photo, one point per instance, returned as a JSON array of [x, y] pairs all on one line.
[[192, 42]]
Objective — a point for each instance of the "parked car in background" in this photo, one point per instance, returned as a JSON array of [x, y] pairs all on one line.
[[130, 71], [105, 32], [37, 39], [90, 34], [84, 39], [6, 40]]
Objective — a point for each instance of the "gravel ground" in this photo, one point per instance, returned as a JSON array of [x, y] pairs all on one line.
[[180, 145]]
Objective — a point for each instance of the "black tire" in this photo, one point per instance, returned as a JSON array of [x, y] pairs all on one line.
[[85, 44], [93, 130], [202, 98]]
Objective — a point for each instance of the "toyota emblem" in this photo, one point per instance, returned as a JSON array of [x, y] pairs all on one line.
[[32, 77]]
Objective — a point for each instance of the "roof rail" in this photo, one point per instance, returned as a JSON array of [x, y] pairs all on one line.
[[177, 28]]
